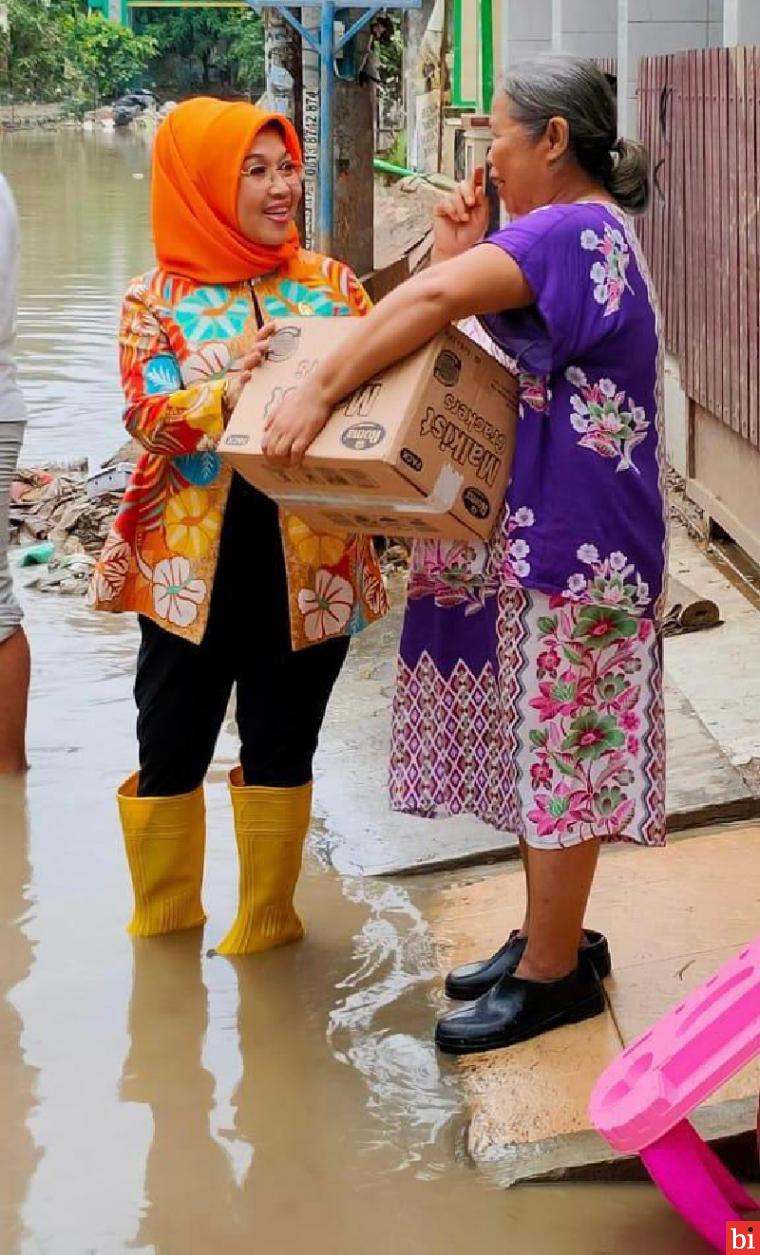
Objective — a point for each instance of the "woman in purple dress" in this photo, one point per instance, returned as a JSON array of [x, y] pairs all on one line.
[[530, 678]]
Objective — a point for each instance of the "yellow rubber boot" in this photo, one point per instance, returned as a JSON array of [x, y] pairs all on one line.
[[165, 840], [270, 830]]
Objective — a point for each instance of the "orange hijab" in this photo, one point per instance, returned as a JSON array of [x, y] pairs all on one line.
[[197, 159]]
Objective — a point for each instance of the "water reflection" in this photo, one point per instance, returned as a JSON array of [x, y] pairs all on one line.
[[18, 1153], [85, 232], [186, 1167]]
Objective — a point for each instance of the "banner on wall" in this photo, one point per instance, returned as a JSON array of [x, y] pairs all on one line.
[[427, 132], [427, 80]]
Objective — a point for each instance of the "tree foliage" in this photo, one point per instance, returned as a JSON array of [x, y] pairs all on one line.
[[111, 58], [202, 48], [58, 51]]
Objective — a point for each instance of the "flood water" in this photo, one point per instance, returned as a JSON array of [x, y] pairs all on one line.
[[153, 1099]]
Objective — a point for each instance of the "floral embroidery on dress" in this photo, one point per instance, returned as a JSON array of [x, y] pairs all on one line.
[[452, 573], [162, 374], [606, 422], [176, 595], [614, 582], [212, 314], [609, 276], [210, 362], [297, 298], [580, 772], [458, 573], [193, 522], [535, 393], [327, 607], [111, 571], [515, 565]]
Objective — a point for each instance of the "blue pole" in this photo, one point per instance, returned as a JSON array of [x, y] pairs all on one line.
[[326, 155]]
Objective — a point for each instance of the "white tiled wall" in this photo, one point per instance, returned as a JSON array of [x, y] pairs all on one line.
[[589, 27], [656, 27], [530, 20], [580, 16], [749, 23], [687, 11], [529, 28]]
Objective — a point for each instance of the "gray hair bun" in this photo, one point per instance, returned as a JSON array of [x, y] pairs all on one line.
[[557, 85]]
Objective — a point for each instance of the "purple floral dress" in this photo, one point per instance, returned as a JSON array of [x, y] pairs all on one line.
[[529, 688]]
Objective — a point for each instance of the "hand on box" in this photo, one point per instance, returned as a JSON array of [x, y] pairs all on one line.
[[460, 220], [241, 370], [292, 428]]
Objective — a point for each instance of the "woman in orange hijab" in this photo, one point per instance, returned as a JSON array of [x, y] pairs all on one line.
[[228, 591]]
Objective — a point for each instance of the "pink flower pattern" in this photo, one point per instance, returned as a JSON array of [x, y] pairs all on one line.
[[609, 274], [614, 582], [607, 423], [587, 714], [456, 573], [535, 394]]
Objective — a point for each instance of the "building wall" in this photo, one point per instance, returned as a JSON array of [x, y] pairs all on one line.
[[742, 21], [587, 28], [527, 29], [654, 27], [469, 61], [627, 29]]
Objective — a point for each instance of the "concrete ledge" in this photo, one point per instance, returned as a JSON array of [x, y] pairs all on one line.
[[673, 917]]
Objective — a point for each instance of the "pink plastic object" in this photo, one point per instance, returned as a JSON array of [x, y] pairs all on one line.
[[641, 1102]]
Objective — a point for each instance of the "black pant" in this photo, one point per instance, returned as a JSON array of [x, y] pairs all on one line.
[[183, 690]]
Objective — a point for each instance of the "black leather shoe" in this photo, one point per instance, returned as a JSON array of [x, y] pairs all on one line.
[[516, 1010], [472, 980]]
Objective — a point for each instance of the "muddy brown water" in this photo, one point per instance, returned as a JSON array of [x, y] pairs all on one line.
[[153, 1099]]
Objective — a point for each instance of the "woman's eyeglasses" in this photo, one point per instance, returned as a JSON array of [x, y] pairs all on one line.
[[263, 175]]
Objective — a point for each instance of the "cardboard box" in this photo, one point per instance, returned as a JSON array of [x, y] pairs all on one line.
[[424, 449]]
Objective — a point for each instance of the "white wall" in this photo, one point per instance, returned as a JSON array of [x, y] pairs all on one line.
[[741, 22], [587, 28], [526, 27], [652, 28]]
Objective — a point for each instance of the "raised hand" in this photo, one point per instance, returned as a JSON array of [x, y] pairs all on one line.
[[460, 220]]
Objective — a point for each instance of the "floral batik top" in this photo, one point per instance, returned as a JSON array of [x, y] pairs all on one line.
[[586, 515], [177, 340]]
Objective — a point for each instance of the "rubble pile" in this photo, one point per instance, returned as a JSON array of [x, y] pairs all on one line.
[[53, 506], [59, 530]]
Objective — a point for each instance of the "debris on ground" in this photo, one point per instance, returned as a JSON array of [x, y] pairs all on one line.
[[67, 573], [55, 508], [137, 109], [393, 554], [403, 216], [694, 616], [59, 525], [38, 555]]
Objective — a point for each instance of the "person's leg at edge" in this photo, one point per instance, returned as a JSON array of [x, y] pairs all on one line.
[[560, 884], [15, 669], [525, 857], [14, 648]]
